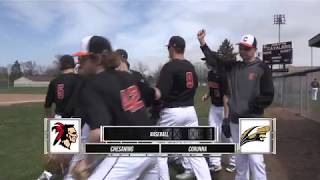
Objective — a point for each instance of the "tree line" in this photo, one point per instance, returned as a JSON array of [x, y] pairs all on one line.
[[31, 68]]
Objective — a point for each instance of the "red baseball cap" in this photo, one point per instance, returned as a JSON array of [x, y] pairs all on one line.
[[248, 41]]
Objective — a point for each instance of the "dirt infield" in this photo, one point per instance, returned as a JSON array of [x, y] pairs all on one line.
[[9, 99]]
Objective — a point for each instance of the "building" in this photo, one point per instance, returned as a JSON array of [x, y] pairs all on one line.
[[35, 81]]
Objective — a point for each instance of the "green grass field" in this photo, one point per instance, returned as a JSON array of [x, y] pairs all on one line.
[[21, 137], [24, 90]]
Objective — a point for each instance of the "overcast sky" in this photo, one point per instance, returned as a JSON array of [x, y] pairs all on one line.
[[30, 30]]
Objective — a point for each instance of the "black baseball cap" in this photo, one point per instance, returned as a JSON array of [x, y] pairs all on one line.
[[66, 62], [177, 42], [123, 53], [93, 45]]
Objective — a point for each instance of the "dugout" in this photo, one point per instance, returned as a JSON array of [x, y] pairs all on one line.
[[314, 42]]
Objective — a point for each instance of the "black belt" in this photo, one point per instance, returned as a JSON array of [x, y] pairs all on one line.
[[176, 106]]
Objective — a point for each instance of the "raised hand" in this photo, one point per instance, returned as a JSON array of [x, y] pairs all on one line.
[[201, 35]]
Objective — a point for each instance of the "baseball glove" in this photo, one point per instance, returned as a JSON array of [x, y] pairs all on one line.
[[57, 164], [225, 128]]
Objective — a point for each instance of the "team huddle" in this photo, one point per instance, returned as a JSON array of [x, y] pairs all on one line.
[[99, 87]]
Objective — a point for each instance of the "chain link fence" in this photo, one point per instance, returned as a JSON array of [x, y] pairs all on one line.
[[294, 91]]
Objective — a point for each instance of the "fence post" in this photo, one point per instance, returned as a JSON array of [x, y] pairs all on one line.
[[307, 94], [281, 90], [300, 97], [284, 91]]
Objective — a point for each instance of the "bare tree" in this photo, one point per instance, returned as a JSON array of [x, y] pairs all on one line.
[[3, 71], [156, 72], [29, 68], [142, 68], [52, 70]]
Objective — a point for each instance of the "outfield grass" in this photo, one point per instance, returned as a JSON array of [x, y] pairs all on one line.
[[202, 107], [24, 90], [21, 137]]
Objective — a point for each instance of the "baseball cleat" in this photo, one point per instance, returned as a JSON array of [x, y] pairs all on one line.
[[231, 168], [185, 175], [45, 176], [215, 168]]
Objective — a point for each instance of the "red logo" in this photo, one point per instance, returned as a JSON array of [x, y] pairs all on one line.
[[189, 80], [213, 85], [60, 91], [252, 76], [131, 99]]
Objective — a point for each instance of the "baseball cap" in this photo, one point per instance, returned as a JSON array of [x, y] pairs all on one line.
[[177, 41], [66, 62], [92, 45], [123, 53], [248, 41]]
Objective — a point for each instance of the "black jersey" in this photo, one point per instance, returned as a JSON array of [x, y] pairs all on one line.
[[138, 77], [315, 84], [113, 98], [60, 91], [218, 87], [178, 83], [147, 93]]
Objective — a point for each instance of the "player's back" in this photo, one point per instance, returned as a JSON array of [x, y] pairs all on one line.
[[122, 98], [218, 87], [60, 91], [178, 83]]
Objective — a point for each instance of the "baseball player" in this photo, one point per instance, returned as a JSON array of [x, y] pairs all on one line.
[[178, 83], [218, 87], [314, 89], [60, 93], [251, 91], [125, 66], [61, 88], [137, 77], [111, 97]]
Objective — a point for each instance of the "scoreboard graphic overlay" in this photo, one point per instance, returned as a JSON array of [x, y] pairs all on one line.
[[156, 140]]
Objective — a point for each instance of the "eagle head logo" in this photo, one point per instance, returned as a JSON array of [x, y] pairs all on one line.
[[250, 135]]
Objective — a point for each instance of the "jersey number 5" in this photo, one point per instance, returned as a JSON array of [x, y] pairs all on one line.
[[60, 91], [131, 99], [189, 80]]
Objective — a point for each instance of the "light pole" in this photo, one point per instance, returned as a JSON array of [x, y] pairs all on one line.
[[279, 19]]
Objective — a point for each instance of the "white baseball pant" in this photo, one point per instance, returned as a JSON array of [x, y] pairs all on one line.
[[314, 94], [216, 115], [183, 116], [248, 164], [78, 157], [118, 168], [127, 168]]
